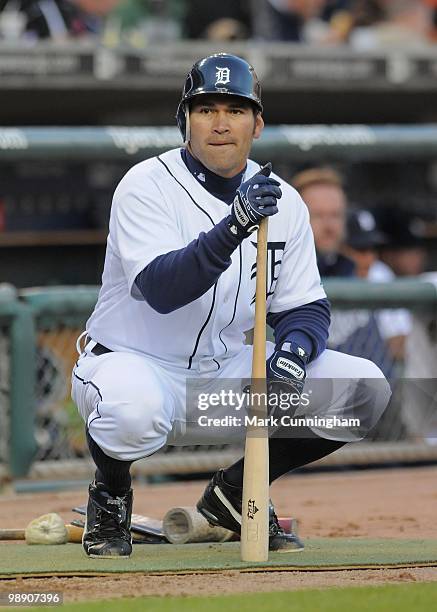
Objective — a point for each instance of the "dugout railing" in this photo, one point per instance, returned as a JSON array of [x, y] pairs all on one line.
[[289, 142], [42, 435]]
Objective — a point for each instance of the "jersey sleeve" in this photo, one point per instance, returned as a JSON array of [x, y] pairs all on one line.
[[299, 279], [142, 226]]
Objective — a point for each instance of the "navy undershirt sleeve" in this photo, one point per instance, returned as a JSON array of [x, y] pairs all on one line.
[[179, 277], [306, 325]]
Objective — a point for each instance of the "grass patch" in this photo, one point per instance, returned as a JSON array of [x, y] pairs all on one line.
[[402, 598]]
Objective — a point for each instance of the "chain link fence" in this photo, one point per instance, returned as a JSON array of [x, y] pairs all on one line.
[[59, 428], [359, 327]]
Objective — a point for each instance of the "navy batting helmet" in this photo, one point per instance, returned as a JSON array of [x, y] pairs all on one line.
[[220, 73]]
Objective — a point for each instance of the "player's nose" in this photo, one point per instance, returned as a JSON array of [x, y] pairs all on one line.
[[221, 123]]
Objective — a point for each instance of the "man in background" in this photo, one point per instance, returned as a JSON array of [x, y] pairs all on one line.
[[346, 245], [322, 191], [405, 249], [363, 241]]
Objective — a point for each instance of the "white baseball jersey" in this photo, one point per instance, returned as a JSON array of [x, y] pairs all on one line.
[[136, 399], [158, 207]]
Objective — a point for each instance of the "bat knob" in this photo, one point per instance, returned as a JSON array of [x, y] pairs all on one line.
[[266, 169]]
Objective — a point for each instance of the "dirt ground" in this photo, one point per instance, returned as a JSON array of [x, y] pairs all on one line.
[[396, 503]]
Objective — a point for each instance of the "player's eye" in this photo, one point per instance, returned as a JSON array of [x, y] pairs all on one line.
[[205, 110]]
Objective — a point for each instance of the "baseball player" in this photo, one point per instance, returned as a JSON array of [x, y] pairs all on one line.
[[177, 296]]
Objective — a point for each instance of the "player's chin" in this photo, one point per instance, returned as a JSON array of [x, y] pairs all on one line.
[[223, 158]]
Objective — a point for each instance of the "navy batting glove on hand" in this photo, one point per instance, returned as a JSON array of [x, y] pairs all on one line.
[[286, 369], [256, 198]]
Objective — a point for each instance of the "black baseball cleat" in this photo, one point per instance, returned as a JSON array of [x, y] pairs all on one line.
[[107, 527], [220, 504]]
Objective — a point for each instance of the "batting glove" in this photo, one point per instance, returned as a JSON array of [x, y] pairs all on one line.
[[286, 369], [256, 198]]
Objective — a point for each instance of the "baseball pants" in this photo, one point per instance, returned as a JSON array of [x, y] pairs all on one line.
[[134, 405]]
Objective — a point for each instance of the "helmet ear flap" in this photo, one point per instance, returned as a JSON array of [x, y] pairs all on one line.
[[181, 119], [187, 124]]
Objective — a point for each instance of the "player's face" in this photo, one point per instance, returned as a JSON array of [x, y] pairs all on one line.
[[222, 129], [327, 206]]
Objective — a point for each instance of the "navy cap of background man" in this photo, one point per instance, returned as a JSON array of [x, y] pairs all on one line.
[[362, 231]]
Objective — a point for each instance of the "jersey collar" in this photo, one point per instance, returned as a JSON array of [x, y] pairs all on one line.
[[222, 188]]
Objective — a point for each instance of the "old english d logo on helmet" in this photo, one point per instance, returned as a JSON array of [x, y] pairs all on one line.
[[220, 73]]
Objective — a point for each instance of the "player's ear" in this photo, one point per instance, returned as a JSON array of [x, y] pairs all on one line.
[[259, 125]]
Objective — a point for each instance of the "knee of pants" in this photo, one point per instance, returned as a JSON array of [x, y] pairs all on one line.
[[371, 397], [347, 387], [132, 428], [360, 400], [376, 392], [371, 389], [376, 385]]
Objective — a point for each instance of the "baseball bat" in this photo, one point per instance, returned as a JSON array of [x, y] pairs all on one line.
[[255, 506], [74, 534], [12, 534], [185, 525]]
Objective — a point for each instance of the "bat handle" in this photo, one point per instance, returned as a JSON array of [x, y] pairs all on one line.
[[259, 332]]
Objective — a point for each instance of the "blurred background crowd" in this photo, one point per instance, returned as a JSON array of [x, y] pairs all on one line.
[[362, 24]]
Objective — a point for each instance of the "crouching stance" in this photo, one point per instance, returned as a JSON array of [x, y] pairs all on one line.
[[177, 296]]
